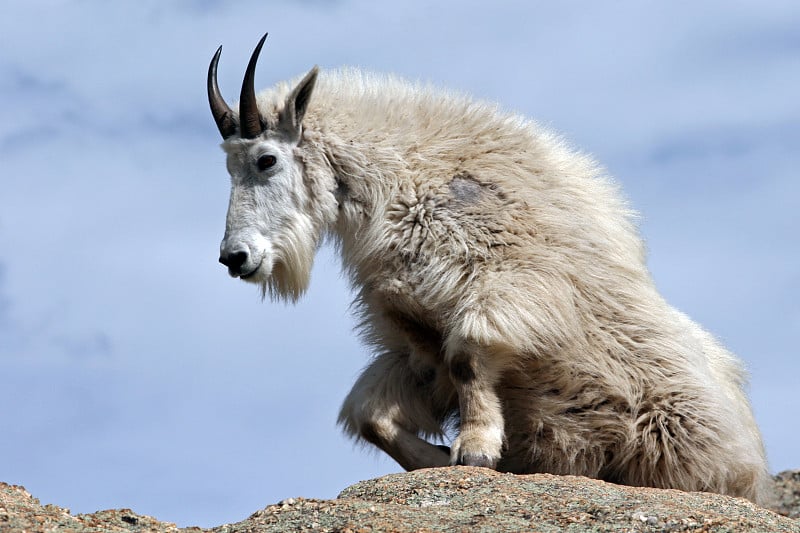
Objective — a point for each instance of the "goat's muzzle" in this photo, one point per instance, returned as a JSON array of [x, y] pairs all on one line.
[[236, 261]]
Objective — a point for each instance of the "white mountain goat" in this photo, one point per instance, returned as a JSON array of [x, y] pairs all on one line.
[[501, 282]]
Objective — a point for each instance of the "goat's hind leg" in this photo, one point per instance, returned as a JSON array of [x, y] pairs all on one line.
[[389, 406]]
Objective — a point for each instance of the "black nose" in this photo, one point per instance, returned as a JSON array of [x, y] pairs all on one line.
[[234, 260]]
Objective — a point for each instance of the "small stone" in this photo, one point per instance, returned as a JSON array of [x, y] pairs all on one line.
[[287, 502]]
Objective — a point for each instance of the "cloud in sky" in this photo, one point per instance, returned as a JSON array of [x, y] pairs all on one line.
[[135, 373]]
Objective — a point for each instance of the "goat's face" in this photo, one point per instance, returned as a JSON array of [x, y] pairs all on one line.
[[270, 237], [267, 196]]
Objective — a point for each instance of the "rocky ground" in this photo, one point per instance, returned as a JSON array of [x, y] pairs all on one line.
[[455, 499]]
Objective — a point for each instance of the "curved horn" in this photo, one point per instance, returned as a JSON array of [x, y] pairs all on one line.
[[223, 115], [248, 109]]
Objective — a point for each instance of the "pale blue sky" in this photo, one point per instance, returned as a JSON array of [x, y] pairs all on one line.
[[135, 373]]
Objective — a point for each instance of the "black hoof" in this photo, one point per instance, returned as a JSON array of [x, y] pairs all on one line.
[[476, 460]]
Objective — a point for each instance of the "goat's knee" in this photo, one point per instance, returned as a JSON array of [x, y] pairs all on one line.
[[385, 424], [363, 423], [403, 445]]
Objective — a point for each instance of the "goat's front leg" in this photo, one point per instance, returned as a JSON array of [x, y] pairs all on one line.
[[390, 405], [475, 374]]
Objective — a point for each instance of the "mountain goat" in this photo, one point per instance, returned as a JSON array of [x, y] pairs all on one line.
[[501, 283]]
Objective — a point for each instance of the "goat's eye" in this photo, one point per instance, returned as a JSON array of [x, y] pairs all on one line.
[[266, 161]]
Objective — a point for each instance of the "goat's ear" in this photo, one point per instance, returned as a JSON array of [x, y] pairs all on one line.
[[296, 104]]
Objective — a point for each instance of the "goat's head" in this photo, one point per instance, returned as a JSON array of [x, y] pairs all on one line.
[[270, 235]]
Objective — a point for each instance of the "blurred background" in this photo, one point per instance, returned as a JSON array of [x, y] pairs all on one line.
[[135, 373]]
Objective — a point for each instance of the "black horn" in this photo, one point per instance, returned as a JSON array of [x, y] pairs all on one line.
[[249, 117], [223, 115]]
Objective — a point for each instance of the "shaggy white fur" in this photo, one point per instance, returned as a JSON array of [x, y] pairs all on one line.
[[502, 285]]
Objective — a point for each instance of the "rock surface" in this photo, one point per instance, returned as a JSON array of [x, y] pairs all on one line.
[[787, 486], [455, 499]]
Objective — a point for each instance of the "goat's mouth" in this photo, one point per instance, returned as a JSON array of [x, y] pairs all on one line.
[[238, 273], [250, 275], [256, 273]]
